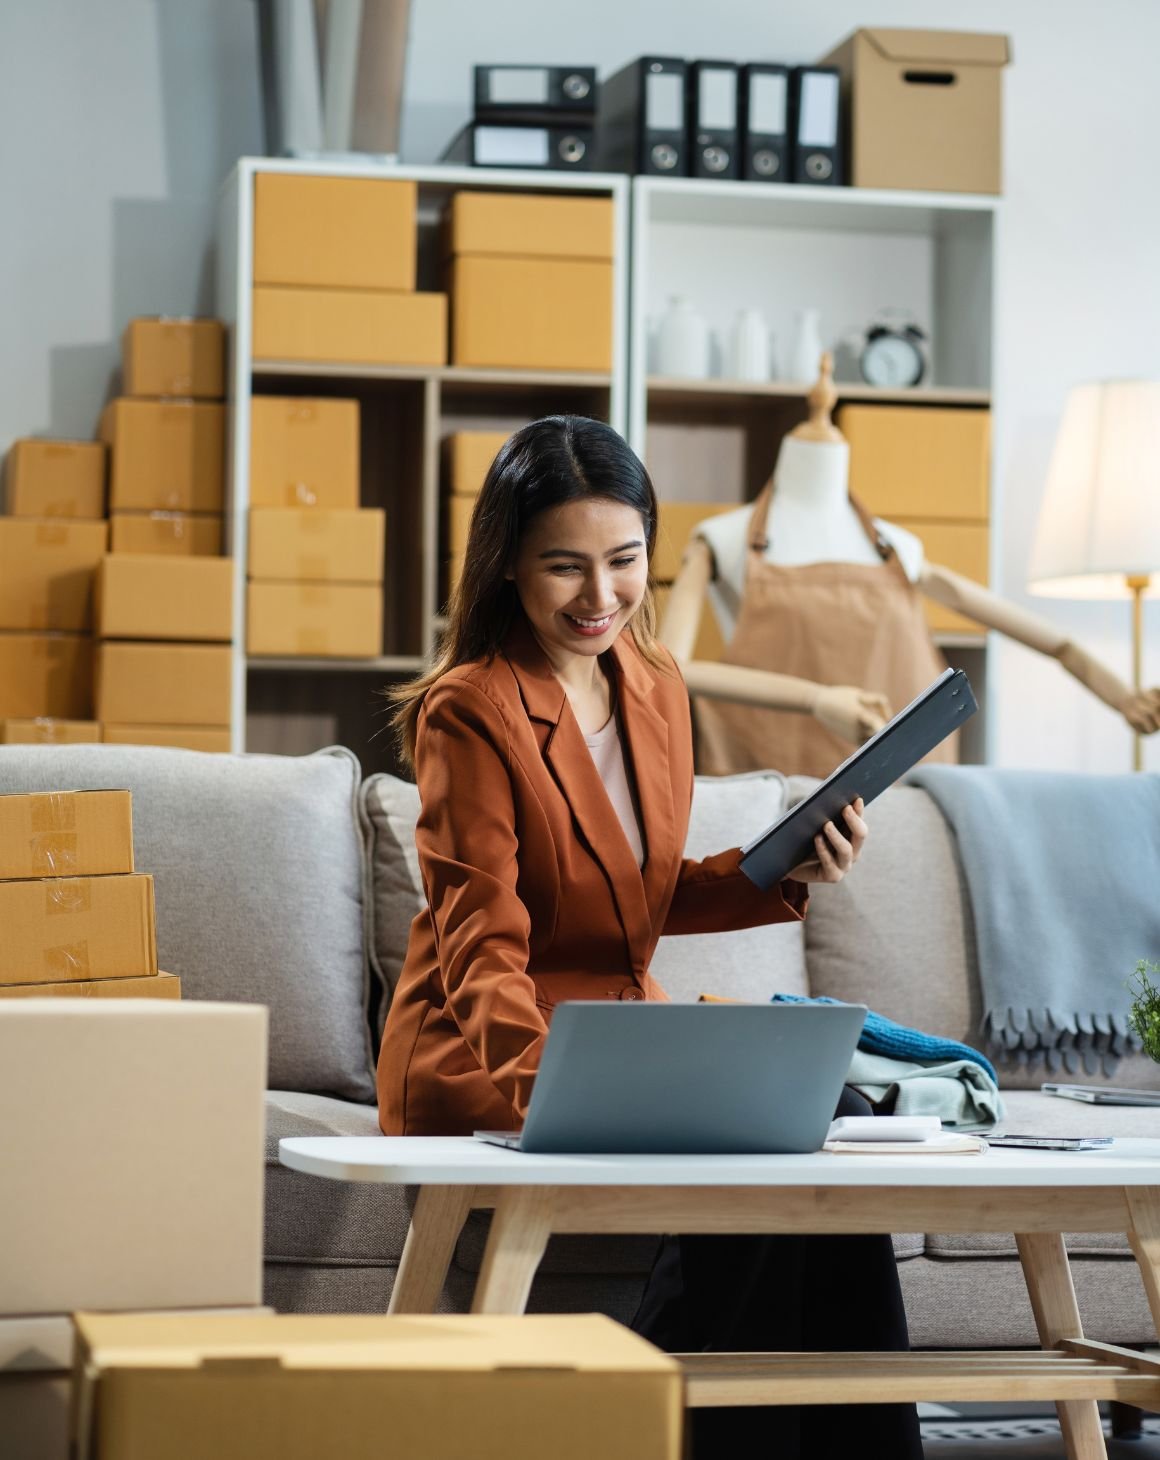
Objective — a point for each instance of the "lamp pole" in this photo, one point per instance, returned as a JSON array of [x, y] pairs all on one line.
[[1138, 582]]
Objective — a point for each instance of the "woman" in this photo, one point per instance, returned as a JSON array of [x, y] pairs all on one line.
[[553, 751]]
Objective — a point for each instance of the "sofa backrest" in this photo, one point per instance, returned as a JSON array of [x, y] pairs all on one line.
[[260, 873]]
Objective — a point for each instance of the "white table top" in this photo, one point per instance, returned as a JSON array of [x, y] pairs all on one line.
[[462, 1161]]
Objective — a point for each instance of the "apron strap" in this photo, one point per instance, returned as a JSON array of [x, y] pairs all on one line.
[[879, 541]]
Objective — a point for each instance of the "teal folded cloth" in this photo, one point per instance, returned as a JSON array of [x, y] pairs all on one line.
[[960, 1092]]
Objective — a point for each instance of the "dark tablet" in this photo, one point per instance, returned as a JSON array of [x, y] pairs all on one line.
[[899, 745]]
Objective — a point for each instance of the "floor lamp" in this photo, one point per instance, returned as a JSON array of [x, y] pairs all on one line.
[[1099, 526]]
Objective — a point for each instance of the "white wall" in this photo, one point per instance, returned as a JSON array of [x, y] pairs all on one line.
[[120, 119]]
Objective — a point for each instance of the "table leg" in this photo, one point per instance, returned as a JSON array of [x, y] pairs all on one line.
[[1144, 1211], [436, 1223], [519, 1233], [1052, 1294]]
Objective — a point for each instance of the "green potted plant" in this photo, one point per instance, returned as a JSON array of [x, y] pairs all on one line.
[[1144, 1016]]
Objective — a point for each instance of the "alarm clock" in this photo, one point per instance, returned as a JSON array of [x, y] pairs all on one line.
[[893, 355]]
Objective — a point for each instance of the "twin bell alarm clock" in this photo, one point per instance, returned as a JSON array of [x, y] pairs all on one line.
[[893, 355]]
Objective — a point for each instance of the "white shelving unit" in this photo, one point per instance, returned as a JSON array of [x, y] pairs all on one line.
[[849, 253], [294, 704]]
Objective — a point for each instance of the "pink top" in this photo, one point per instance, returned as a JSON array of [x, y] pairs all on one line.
[[608, 756]]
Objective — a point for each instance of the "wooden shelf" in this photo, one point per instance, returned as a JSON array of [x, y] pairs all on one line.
[[447, 375], [384, 664], [661, 385]]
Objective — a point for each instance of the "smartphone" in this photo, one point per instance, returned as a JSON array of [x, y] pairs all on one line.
[[1053, 1143]]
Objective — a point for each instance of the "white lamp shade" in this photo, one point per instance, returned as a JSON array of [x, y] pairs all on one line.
[[1100, 518]]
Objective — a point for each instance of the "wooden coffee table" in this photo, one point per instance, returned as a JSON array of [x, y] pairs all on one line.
[[1036, 1195]]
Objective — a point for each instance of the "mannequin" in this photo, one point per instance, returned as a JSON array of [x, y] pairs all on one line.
[[811, 527]]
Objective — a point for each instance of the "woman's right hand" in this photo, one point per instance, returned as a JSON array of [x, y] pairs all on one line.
[[854, 714]]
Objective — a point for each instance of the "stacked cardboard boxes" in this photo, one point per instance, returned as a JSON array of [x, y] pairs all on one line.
[[530, 278], [164, 626], [167, 432], [468, 456], [50, 543], [78, 920], [674, 529], [315, 557], [335, 273]]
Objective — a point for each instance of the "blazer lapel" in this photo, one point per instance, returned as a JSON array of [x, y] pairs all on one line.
[[574, 771], [646, 735]]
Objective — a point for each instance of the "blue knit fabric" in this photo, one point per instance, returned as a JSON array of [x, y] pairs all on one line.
[[883, 1036]]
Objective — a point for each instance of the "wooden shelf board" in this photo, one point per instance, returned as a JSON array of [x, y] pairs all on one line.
[[448, 375], [386, 663], [660, 385]]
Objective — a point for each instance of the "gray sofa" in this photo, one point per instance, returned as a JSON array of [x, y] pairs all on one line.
[[292, 882]]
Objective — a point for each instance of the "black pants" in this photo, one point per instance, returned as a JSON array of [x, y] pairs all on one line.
[[784, 1293]]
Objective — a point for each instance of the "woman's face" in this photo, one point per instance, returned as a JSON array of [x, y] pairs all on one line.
[[581, 572]]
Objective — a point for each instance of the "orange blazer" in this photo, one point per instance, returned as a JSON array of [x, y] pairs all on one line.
[[533, 894]]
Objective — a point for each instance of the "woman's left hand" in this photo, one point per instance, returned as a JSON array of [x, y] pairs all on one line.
[[836, 852]]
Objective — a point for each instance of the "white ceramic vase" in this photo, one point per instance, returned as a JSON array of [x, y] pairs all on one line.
[[682, 341], [749, 355], [806, 355]]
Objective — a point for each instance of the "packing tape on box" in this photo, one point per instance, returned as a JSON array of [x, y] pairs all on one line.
[[67, 895], [53, 844], [302, 410], [298, 494], [67, 962], [53, 811], [172, 498], [51, 534]]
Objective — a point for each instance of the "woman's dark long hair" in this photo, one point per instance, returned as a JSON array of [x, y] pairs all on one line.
[[552, 461]]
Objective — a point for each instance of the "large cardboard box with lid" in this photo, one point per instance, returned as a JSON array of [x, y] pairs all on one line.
[[168, 455], [210, 738], [317, 544], [469, 458], [304, 452], [334, 232], [924, 108], [443, 1388], [158, 596], [65, 834], [350, 326], [48, 478], [46, 571], [927, 462], [163, 684], [46, 675], [323, 620], [47, 731], [179, 533], [134, 1135], [58, 929]]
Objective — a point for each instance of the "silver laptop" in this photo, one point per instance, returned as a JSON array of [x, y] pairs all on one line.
[[688, 1079]]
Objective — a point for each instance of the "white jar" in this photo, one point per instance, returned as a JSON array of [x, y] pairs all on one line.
[[749, 355], [806, 355], [682, 341]]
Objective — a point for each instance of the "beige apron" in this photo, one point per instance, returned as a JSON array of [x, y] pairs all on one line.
[[832, 623]]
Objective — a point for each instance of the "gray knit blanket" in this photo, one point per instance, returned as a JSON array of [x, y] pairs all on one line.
[[1063, 876]]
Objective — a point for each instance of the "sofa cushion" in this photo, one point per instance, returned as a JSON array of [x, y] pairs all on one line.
[[258, 862], [312, 1220], [727, 810]]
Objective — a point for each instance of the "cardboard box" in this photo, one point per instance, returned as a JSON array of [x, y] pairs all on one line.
[[46, 731], [66, 834], [149, 986], [62, 928], [350, 326], [317, 545], [531, 314], [459, 514], [180, 533], [56, 478], [303, 453], [533, 225], [158, 596], [214, 738], [174, 357], [46, 571], [296, 1387], [46, 675], [337, 232], [923, 108], [675, 527], [163, 684], [910, 461], [315, 620], [167, 455], [469, 458], [139, 1182], [709, 646]]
